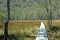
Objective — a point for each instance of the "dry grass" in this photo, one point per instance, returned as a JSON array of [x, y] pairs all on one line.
[[1, 27], [31, 28], [24, 27]]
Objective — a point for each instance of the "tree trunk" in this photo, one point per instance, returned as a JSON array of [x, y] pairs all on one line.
[[6, 31], [7, 21], [50, 14]]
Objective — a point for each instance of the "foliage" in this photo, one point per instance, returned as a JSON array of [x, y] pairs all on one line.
[[29, 9]]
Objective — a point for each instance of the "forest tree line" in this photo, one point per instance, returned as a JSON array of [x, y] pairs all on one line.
[[30, 9]]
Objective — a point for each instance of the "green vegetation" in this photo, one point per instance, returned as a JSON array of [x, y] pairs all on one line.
[[30, 9]]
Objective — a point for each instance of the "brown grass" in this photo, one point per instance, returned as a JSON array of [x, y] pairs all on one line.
[[23, 26], [30, 28]]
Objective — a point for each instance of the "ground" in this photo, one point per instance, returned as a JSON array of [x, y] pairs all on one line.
[[27, 29]]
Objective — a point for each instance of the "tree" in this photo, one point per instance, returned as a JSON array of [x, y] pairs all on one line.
[[49, 11], [7, 21], [50, 15]]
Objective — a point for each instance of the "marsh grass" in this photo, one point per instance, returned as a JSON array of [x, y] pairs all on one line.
[[22, 28]]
